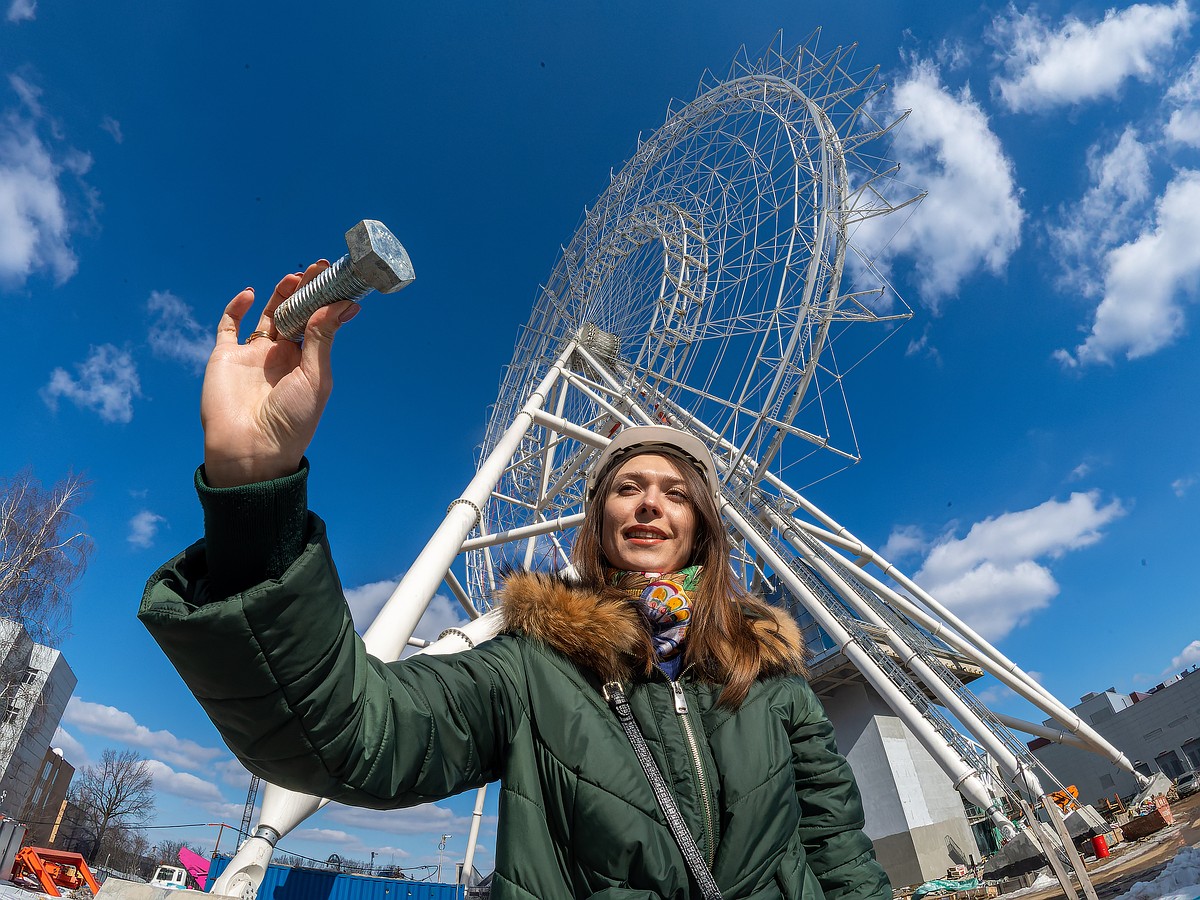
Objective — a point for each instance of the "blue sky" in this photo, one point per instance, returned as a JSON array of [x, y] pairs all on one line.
[[1029, 437]]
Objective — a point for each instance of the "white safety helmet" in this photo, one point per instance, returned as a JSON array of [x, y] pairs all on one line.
[[648, 439]]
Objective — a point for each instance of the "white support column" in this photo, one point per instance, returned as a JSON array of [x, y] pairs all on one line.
[[386, 636]]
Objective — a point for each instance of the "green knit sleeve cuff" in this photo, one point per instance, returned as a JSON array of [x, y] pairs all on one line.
[[253, 532]]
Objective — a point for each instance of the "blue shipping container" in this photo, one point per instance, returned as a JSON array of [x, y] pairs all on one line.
[[286, 883]]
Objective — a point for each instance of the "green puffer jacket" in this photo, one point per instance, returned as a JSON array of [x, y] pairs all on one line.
[[282, 674]]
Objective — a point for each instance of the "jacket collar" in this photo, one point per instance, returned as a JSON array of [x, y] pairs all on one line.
[[602, 630]]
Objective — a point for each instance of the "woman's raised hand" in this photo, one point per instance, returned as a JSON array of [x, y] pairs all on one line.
[[262, 400]]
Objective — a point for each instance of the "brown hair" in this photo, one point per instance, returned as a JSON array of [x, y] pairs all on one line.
[[722, 646]]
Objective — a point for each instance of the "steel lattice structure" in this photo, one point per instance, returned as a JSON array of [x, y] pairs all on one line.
[[709, 278]]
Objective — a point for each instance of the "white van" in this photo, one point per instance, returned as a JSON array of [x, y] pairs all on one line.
[[173, 877]]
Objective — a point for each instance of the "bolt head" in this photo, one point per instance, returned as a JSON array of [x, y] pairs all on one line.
[[378, 258]]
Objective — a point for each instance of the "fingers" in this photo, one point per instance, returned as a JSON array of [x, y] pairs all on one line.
[[317, 351], [287, 286], [231, 318]]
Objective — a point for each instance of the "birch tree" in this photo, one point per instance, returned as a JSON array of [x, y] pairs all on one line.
[[43, 553]]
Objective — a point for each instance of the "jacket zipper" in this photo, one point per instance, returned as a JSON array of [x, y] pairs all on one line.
[[681, 711]]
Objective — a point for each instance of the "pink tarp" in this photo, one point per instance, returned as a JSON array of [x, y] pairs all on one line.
[[196, 865]]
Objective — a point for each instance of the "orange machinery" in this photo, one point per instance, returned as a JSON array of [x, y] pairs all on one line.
[[53, 869]]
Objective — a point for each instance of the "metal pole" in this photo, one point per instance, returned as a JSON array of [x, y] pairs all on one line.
[[476, 818], [388, 634]]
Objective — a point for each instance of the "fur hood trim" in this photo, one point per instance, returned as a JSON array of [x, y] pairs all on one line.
[[603, 631]]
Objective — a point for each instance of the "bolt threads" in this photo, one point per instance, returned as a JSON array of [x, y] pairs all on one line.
[[338, 282]]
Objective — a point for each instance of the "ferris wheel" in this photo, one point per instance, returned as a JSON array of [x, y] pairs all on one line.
[[716, 285], [707, 287]]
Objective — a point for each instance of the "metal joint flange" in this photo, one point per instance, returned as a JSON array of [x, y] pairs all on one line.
[[466, 502]]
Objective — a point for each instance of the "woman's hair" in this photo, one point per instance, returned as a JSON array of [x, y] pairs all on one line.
[[722, 646]]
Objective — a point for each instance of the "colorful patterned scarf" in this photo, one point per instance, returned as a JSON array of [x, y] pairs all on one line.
[[665, 599]]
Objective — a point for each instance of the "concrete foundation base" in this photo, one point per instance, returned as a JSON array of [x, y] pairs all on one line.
[[1085, 822], [118, 889], [914, 816], [1020, 855]]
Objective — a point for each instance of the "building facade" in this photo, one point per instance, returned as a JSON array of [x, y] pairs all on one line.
[[1159, 730], [46, 808], [36, 683]]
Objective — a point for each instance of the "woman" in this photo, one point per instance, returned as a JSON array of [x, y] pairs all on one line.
[[254, 619]]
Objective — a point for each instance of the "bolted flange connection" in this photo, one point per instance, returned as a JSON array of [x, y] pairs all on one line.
[[376, 262]]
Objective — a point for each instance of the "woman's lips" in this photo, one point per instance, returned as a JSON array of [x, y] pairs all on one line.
[[644, 534]]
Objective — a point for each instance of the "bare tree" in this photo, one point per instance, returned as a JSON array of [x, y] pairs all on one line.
[[42, 554], [167, 852], [115, 798]]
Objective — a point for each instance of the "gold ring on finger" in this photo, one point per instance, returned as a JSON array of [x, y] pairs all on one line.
[[258, 334]]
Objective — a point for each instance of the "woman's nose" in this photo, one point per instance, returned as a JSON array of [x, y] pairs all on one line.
[[652, 500]]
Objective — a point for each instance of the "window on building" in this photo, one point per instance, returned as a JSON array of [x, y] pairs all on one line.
[[1177, 722], [1151, 734], [1191, 749], [1171, 764], [31, 674]]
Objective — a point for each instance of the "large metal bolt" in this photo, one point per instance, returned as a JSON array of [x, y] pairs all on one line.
[[376, 262]]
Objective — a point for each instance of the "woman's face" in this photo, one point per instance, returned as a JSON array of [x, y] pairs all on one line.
[[649, 523]]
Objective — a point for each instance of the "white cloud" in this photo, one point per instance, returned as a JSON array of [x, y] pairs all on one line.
[[1077, 62], [1183, 126], [143, 528], [971, 218], [22, 10], [108, 721], [348, 843], [1188, 657], [993, 579], [175, 333], [113, 127], [1146, 280], [904, 541], [181, 784], [367, 600], [417, 820], [107, 383], [34, 222], [923, 347], [1080, 472], [232, 773], [443, 613], [73, 751], [994, 695], [28, 93], [1104, 216], [1182, 485], [1186, 88]]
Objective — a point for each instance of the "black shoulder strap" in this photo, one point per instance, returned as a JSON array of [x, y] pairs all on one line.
[[687, 844]]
